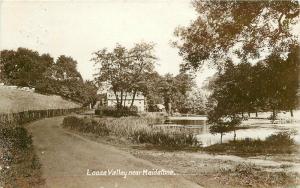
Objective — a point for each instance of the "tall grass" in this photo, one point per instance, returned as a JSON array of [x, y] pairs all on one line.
[[85, 125], [136, 129]]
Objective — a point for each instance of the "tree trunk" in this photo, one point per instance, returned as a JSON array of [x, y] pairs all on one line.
[[221, 137], [242, 114], [256, 115], [292, 114], [133, 98], [125, 100], [249, 114], [274, 116], [117, 98], [234, 135], [121, 102], [170, 108]]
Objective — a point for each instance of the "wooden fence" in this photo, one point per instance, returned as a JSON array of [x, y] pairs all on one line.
[[31, 115]]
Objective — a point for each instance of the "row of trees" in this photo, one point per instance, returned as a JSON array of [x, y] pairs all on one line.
[[269, 85], [126, 70], [27, 68]]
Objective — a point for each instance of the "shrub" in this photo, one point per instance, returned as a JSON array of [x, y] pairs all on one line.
[[16, 138], [116, 112], [21, 167], [283, 139]]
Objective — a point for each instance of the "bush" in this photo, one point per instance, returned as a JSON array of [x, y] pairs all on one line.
[[16, 138], [116, 112], [21, 167], [282, 139]]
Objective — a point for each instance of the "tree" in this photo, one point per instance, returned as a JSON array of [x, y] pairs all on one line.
[[126, 70], [23, 67], [90, 93], [221, 122], [174, 90], [152, 93], [243, 28], [282, 81], [271, 84], [291, 77], [114, 69], [66, 68], [258, 91], [142, 67], [195, 102]]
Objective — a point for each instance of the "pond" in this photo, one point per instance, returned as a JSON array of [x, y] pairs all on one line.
[[252, 128]]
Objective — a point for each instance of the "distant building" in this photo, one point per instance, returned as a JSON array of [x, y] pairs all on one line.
[[109, 99]]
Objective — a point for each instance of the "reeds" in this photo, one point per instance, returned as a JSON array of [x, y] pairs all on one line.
[[136, 129]]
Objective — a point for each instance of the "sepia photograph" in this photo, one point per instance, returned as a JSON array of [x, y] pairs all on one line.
[[149, 93]]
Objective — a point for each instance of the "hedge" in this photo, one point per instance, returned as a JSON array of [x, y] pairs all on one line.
[[31, 115]]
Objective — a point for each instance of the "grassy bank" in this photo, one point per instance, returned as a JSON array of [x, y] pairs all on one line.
[[135, 129], [280, 143], [20, 166], [15, 100]]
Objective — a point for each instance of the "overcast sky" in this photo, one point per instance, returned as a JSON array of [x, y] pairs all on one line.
[[79, 28]]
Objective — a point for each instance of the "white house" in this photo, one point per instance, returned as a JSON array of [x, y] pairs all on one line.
[[109, 99]]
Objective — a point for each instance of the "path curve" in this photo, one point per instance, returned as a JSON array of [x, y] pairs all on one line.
[[65, 158]]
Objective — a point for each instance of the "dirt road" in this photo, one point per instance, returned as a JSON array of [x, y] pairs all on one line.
[[66, 158]]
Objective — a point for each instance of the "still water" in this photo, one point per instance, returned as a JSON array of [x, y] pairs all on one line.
[[252, 129]]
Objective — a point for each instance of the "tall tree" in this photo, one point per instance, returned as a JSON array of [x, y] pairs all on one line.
[[66, 68], [23, 67], [291, 75], [126, 70], [174, 90], [244, 28], [142, 67]]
